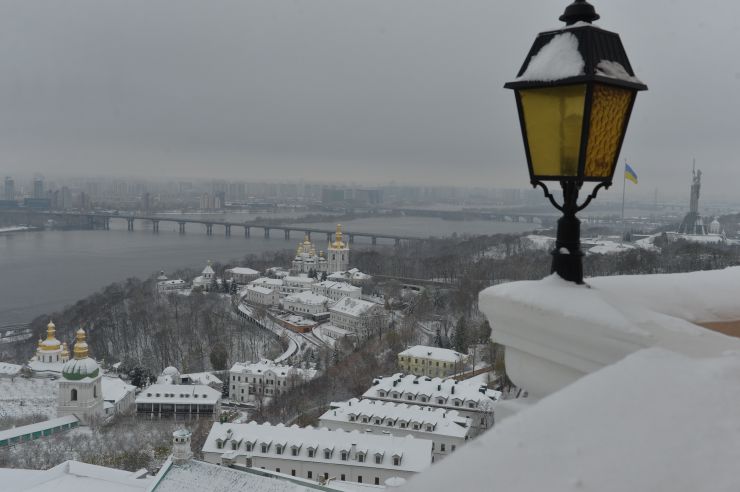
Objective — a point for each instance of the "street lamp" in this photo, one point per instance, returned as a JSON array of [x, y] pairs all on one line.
[[574, 93]]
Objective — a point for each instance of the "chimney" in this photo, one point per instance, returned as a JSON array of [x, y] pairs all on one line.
[[181, 452]]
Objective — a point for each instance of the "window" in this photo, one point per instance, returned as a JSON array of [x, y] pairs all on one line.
[[309, 474], [292, 472], [377, 481], [429, 428], [378, 459], [409, 397], [377, 421], [311, 452], [452, 448], [359, 478], [219, 443], [327, 454], [279, 449], [264, 447], [361, 457], [326, 476], [249, 446], [344, 455], [95, 391], [442, 447], [457, 403], [294, 451], [396, 461], [403, 425], [441, 401], [233, 445], [277, 470], [73, 395], [342, 477]]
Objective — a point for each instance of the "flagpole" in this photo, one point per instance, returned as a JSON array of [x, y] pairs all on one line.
[[624, 186]]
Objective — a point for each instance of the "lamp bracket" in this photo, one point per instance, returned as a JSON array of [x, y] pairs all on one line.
[[549, 196], [578, 208], [603, 184]]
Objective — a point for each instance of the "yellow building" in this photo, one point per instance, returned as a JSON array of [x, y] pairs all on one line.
[[421, 360]]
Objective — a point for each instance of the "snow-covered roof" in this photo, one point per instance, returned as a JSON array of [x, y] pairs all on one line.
[[207, 270], [379, 413], [416, 454], [339, 286], [9, 369], [276, 282], [172, 282], [266, 365], [259, 289], [83, 368], [115, 389], [201, 378], [352, 274], [352, 307], [243, 271], [179, 394], [37, 427], [437, 391], [74, 476], [436, 353], [198, 476], [299, 279], [656, 420], [307, 297]]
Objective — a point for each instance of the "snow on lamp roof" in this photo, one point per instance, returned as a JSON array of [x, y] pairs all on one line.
[[656, 420], [558, 59]]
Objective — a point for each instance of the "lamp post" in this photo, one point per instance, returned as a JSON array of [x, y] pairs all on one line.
[[574, 93]]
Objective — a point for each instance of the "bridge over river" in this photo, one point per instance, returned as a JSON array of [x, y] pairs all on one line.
[[102, 221]]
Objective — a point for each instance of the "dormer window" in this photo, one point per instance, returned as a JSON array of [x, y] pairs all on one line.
[[361, 457], [378, 458], [219, 443], [294, 450], [249, 446], [471, 405], [279, 449], [396, 461], [441, 401], [429, 428], [234, 445], [265, 447], [327, 454], [403, 425], [311, 452], [345, 454]]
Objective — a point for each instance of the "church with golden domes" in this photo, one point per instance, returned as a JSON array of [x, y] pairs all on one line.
[[51, 354], [336, 260], [80, 388]]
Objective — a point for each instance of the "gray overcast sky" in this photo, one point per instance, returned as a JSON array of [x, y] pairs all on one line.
[[381, 90]]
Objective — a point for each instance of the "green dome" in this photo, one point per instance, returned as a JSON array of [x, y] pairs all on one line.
[[76, 369]]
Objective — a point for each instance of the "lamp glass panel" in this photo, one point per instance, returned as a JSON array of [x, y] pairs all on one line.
[[609, 109], [553, 117]]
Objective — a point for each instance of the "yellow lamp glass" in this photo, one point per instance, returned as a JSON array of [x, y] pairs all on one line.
[[609, 108], [553, 118]]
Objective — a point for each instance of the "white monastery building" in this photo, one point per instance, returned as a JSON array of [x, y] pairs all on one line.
[[314, 454], [294, 284], [265, 379], [241, 275], [80, 388], [336, 290], [471, 400], [171, 285], [353, 276], [306, 303], [51, 354], [421, 360], [162, 398], [257, 294], [447, 430], [118, 396], [354, 314]]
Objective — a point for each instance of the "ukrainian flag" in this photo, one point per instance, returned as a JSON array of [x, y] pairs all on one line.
[[630, 173]]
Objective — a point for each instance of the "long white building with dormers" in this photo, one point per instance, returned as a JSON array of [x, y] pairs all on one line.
[[447, 430], [471, 400], [263, 380], [317, 454], [336, 290]]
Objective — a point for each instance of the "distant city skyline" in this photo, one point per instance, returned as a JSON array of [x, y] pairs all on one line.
[[323, 90]]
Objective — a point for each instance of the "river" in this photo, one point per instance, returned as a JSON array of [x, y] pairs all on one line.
[[44, 271]]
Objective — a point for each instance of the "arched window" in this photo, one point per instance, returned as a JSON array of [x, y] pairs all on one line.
[[95, 391], [73, 395]]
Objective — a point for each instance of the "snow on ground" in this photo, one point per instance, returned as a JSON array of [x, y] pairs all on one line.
[[15, 229], [24, 397], [607, 247], [634, 425], [647, 243], [536, 241]]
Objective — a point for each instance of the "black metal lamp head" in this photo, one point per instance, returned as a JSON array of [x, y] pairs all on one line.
[[579, 11], [575, 92]]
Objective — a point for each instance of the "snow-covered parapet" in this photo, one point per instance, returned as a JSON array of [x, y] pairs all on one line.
[[656, 420], [555, 331]]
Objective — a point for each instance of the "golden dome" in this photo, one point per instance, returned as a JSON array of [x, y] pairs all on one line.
[[80, 349], [51, 342], [338, 243], [65, 350]]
